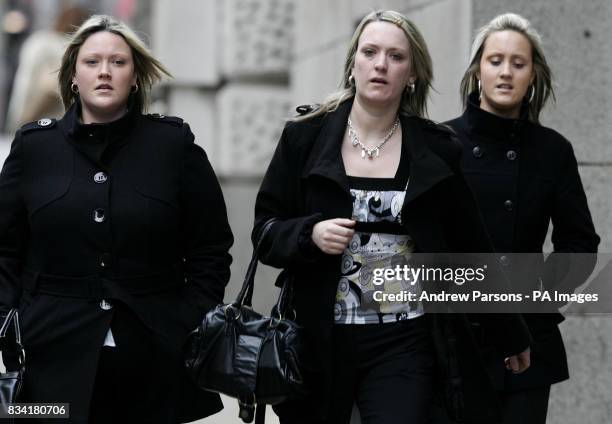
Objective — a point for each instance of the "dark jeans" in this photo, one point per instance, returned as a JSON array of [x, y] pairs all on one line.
[[386, 369]]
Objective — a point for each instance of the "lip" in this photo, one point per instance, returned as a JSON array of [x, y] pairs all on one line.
[[378, 81], [104, 87], [504, 87]]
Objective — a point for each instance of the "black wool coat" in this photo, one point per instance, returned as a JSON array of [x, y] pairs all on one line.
[[306, 183], [143, 228], [525, 176]]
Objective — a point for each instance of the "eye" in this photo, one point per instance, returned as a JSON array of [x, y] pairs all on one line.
[[519, 65], [119, 62], [368, 52], [495, 62], [91, 61], [397, 56]]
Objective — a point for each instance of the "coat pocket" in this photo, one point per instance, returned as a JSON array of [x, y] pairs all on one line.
[[39, 195]]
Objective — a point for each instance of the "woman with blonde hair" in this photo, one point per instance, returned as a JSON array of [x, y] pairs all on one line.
[[113, 240], [524, 176], [365, 182]]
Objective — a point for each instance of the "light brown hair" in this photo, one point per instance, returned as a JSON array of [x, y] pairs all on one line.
[[542, 82], [147, 68]]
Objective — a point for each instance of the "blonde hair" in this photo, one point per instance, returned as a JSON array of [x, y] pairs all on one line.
[[542, 82], [411, 103], [148, 69]]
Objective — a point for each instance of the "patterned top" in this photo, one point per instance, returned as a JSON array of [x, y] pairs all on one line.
[[379, 242]]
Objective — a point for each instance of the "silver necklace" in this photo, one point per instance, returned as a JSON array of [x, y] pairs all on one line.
[[365, 150]]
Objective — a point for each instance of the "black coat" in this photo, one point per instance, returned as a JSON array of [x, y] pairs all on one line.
[[144, 227], [306, 183], [525, 176]]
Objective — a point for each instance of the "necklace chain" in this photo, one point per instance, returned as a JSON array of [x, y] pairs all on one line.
[[373, 152]]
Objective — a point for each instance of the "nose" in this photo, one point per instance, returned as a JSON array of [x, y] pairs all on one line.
[[506, 70], [380, 64], [104, 70]]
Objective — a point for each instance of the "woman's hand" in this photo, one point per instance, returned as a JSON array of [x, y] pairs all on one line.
[[333, 235], [519, 363]]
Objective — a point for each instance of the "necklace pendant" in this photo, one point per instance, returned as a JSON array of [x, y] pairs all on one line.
[[377, 152], [363, 153], [354, 141]]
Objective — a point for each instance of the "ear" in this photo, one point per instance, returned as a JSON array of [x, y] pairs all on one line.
[[134, 79], [412, 78]]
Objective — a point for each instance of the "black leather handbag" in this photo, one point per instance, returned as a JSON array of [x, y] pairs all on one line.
[[244, 354], [10, 381]]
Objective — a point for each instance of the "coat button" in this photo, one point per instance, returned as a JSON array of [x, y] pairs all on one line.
[[508, 205], [511, 154], [477, 152], [504, 260], [98, 215], [105, 260], [100, 177], [105, 305]]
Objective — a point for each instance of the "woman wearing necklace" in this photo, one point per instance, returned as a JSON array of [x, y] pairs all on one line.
[[524, 176], [363, 182]]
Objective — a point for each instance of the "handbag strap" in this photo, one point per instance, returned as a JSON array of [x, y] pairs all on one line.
[[245, 296], [260, 414], [13, 317], [282, 308]]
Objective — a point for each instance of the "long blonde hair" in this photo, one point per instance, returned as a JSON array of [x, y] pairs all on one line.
[[411, 103], [542, 82], [147, 68]]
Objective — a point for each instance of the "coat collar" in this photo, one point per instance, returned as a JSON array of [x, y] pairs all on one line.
[[426, 168], [489, 125], [109, 132]]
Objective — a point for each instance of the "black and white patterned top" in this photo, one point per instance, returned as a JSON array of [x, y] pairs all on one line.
[[379, 242]]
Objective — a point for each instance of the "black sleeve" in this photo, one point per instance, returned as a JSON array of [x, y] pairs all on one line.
[[288, 243], [207, 236], [574, 239], [466, 233], [13, 226]]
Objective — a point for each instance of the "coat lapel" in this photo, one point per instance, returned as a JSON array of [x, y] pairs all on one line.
[[426, 168], [325, 158]]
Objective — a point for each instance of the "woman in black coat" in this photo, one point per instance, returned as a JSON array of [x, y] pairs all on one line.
[[113, 240], [364, 182], [524, 176]]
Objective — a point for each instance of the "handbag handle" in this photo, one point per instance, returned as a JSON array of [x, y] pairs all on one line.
[[245, 296], [281, 308], [13, 316]]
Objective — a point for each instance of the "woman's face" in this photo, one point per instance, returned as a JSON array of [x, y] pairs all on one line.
[[104, 73], [382, 67], [506, 71]]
